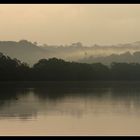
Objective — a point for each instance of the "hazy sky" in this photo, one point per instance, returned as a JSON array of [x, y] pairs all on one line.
[[68, 23]]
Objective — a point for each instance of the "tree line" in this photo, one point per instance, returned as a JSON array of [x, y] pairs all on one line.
[[55, 69]]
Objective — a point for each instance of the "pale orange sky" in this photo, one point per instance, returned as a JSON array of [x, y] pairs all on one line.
[[68, 23]]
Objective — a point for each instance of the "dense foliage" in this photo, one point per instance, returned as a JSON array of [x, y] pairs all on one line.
[[54, 69]]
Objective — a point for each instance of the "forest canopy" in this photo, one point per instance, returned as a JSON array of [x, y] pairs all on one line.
[[54, 69]]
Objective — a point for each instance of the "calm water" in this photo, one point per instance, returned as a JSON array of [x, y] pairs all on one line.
[[70, 108]]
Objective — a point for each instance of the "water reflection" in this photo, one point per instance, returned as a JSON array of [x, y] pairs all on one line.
[[69, 98]]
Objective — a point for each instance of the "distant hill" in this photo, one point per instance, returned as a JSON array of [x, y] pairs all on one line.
[[30, 53], [23, 50]]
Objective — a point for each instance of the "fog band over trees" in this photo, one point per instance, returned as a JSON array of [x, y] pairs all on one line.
[[31, 52]]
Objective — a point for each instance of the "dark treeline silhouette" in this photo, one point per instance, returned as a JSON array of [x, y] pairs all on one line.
[[12, 69], [54, 69]]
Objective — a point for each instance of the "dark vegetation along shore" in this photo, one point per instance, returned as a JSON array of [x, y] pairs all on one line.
[[54, 69]]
